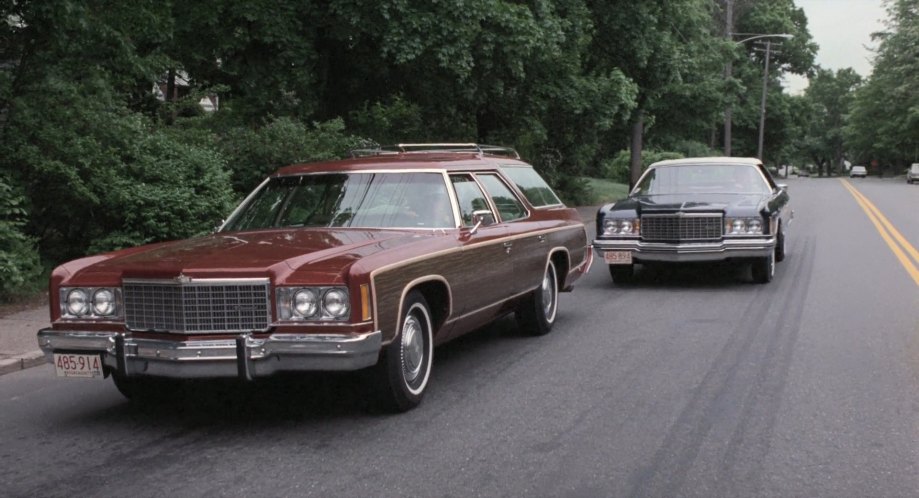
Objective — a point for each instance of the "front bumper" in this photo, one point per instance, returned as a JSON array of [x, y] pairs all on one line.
[[244, 356], [688, 252]]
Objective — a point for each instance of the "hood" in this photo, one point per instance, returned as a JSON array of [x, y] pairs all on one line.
[[261, 253], [688, 203]]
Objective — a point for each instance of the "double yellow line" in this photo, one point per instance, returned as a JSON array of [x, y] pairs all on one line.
[[890, 234]]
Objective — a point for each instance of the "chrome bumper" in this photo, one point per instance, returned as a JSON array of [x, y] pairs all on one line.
[[687, 252], [243, 356]]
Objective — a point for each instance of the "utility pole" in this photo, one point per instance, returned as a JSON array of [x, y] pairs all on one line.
[[762, 105], [728, 73]]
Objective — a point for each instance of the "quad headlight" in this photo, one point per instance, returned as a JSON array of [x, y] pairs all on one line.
[[622, 227], [743, 226], [313, 303], [90, 302]]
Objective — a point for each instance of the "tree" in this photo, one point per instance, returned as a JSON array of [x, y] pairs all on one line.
[[884, 124], [668, 49], [829, 98]]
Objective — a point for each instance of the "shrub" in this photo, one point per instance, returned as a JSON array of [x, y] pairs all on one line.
[[617, 169], [19, 262], [253, 154], [167, 190]]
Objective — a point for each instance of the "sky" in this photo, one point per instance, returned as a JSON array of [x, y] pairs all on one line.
[[843, 30]]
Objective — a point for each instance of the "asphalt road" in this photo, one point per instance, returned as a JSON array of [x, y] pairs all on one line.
[[689, 382]]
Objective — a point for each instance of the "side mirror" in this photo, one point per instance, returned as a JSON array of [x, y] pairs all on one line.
[[481, 217], [218, 226]]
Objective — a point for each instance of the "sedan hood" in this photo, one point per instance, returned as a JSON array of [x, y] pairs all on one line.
[[688, 203], [261, 253]]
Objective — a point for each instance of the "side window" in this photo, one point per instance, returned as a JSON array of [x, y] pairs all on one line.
[[534, 188], [509, 207], [469, 196]]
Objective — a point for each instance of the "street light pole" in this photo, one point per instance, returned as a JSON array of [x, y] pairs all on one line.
[[728, 70], [762, 104]]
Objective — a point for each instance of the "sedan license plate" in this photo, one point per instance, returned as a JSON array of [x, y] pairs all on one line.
[[617, 257], [86, 366]]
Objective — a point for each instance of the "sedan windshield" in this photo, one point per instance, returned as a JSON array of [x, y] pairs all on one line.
[[357, 200], [703, 178]]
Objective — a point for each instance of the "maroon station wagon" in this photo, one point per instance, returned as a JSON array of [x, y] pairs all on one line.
[[340, 265]]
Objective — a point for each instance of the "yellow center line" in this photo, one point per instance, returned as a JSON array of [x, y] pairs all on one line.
[[890, 234]]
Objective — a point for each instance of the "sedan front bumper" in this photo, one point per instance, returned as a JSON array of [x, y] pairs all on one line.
[[244, 356], [688, 252]]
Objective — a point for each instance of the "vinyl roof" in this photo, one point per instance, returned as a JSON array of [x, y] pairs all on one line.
[[450, 161], [752, 161]]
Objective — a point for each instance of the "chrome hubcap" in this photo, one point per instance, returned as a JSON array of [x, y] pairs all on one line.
[[412, 348]]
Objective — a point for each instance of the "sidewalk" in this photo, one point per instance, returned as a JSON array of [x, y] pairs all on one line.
[[19, 347]]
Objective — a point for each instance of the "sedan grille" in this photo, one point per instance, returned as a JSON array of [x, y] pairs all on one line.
[[681, 227], [202, 306]]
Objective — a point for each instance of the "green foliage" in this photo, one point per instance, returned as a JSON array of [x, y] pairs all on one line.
[[254, 153], [104, 164], [884, 121], [617, 168], [101, 177], [828, 100], [164, 190], [602, 191], [19, 263], [397, 122]]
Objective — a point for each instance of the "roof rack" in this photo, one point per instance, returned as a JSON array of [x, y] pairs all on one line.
[[480, 149]]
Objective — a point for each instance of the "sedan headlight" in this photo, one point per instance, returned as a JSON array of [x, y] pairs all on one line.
[[621, 227], [743, 226], [313, 303], [90, 302]]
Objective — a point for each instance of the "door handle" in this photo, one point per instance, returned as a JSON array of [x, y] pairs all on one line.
[[541, 238], [507, 247]]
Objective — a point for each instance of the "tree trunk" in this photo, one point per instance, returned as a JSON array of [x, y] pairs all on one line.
[[171, 94], [638, 128]]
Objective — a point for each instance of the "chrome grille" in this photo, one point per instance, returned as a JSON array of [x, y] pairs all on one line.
[[202, 306], [680, 227]]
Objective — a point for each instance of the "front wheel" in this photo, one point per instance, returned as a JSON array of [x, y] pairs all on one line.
[[536, 315], [764, 269], [406, 364], [780, 245]]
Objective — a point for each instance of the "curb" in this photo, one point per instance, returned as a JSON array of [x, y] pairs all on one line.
[[22, 362]]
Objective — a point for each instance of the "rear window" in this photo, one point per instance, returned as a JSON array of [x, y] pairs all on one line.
[[534, 188]]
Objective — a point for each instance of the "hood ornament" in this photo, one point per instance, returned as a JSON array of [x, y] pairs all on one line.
[[183, 279]]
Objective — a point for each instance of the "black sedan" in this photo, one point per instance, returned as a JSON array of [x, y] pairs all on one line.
[[698, 209]]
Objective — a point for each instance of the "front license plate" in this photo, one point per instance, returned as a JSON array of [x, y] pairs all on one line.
[[86, 366], [617, 257]]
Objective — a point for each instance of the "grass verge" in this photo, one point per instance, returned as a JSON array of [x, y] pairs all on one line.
[[602, 191]]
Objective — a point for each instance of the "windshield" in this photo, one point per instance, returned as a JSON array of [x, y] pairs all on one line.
[[703, 178], [357, 200]]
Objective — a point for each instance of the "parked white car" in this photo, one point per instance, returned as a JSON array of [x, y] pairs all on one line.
[[912, 174]]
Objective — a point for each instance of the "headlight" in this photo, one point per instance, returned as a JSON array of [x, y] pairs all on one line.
[[104, 302], [627, 227], [743, 226], [305, 303], [90, 302], [77, 302], [296, 304], [335, 303]]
